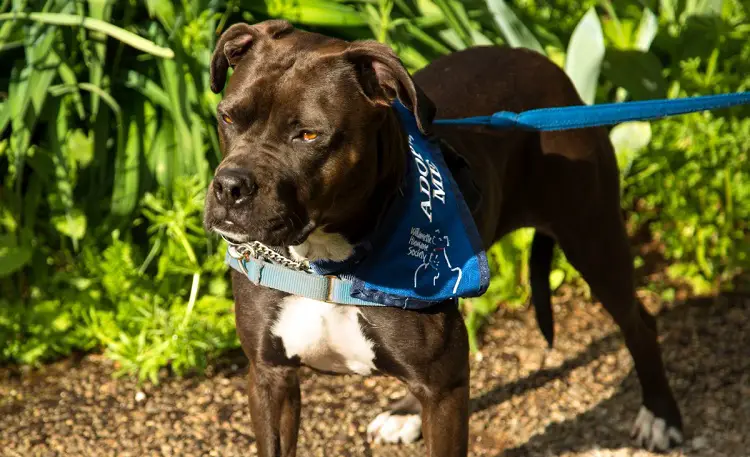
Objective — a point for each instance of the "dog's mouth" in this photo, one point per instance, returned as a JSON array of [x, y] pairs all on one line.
[[228, 231], [277, 234]]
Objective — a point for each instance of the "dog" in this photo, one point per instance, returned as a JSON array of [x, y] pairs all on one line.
[[312, 152]]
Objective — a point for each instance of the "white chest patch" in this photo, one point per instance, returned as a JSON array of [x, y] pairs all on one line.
[[324, 336], [322, 245]]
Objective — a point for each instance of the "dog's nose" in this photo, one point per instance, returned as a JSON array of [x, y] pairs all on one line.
[[233, 185]]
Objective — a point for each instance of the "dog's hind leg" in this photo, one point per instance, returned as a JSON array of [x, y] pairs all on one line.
[[401, 424], [274, 409], [600, 251], [540, 262]]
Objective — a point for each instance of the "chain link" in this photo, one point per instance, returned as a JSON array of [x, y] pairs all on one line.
[[260, 251]]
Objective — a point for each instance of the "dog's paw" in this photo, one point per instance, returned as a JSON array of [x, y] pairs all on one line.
[[653, 433], [395, 428]]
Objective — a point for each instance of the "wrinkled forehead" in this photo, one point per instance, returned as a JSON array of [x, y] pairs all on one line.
[[298, 67]]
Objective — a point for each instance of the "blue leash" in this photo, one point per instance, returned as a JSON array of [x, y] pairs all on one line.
[[575, 117], [335, 290]]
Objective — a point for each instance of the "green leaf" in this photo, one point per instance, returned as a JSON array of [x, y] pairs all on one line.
[[163, 10], [428, 8], [80, 147], [62, 322], [585, 54], [33, 353], [129, 38], [629, 139], [28, 91], [72, 224], [149, 89], [514, 31], [161, 157], [556, 279], [459, 24], [704, 8], [12, 256], [426, 39], [647, 30], [68, 77], [668, 9], [4, 114], [127, 162]]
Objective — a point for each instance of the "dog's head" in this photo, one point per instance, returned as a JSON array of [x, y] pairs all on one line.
[[302, 128]]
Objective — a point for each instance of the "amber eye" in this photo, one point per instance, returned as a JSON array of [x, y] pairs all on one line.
[[226, 119], [309, 136]]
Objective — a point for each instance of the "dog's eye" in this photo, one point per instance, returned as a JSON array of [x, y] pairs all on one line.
[[309, 136], [227, 119]]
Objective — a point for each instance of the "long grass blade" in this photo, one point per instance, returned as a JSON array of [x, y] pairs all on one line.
[[98, 10], [455, 21], [108, 100], [27, 94], [127, 172], [129, 38], [149, 89], [68, 77], [514, 31]]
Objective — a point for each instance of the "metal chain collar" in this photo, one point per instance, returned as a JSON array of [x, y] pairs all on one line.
[[260, 251]]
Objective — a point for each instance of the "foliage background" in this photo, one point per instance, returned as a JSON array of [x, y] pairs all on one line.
[[107, 143]]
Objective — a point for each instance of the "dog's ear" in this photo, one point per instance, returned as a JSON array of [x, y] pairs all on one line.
[[234, 44], [383, 78]]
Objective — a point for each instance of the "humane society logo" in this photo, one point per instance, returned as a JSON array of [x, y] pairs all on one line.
[[429, 245]]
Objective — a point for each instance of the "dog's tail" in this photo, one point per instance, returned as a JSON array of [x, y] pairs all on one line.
[[542, 248]]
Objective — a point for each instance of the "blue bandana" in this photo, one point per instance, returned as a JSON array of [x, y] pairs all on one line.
[[427, 248]]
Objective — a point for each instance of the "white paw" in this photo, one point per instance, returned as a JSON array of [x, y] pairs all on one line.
[[652, 433], [392, 428]]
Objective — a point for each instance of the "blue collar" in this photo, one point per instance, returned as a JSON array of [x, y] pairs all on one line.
[[427, 249]]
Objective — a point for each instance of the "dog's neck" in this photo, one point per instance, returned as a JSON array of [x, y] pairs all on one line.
[[337, 241]]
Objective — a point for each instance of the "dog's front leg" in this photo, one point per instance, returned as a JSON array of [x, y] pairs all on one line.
[[445, 420], [275, 409]]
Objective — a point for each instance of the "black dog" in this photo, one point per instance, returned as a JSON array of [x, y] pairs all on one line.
[[312, 153]]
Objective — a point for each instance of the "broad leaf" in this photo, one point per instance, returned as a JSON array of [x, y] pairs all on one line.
[[12, 256], [585, 54], [647, 30], [72, 225], [629, 139]]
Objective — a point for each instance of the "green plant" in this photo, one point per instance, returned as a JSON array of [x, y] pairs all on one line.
[[168, 308]]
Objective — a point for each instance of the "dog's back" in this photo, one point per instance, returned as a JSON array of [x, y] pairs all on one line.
[[484, 80]]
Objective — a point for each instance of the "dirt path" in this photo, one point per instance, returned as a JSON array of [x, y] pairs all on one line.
[[576, 400]]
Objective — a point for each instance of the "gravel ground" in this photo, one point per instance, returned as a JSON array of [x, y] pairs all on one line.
[[576, 400]]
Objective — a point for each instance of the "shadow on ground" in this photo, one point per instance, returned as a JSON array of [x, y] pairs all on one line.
[[706, 346]]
